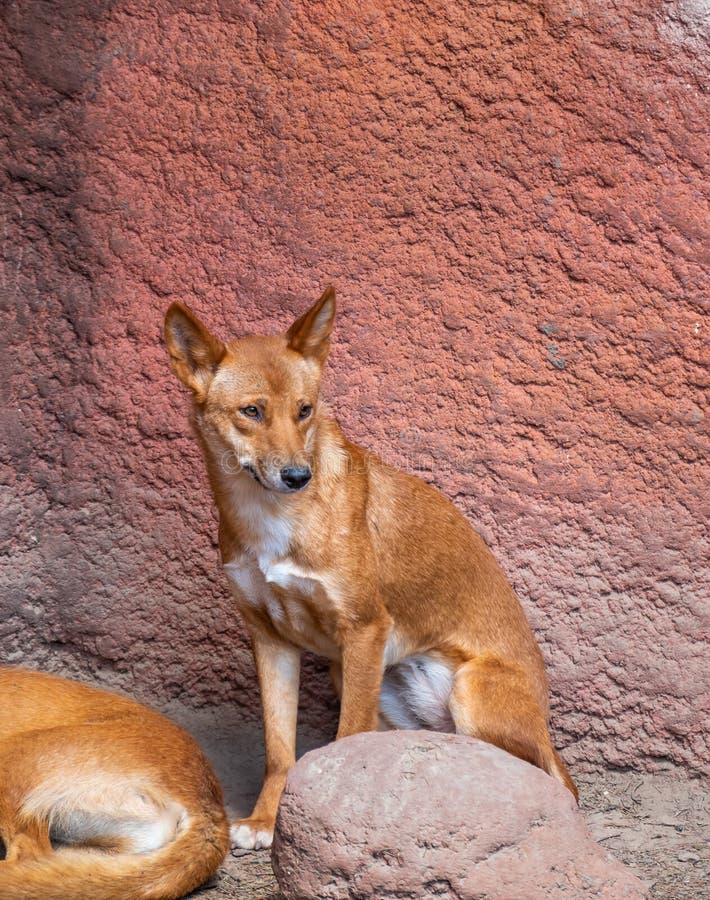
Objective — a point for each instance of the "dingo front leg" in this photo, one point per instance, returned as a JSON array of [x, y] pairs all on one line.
[[278, 667], [362, 668]]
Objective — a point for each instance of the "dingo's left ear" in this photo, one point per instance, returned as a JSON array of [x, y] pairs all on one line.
[[310, 335], [194, 352]]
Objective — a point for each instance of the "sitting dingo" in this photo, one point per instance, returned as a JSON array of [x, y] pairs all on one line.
[[330, 550], [126, 797]]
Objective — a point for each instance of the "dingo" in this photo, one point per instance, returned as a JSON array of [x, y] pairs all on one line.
[[329, 549], [126, 796]]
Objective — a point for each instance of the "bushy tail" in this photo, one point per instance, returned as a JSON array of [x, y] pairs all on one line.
[[552, 763], [75, 873]]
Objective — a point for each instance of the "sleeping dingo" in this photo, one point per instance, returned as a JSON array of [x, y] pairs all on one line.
[[100, 797]]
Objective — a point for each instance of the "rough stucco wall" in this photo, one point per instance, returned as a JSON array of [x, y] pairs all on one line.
[[510, 200]]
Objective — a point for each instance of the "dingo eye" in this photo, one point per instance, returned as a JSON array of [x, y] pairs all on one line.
[[305, 411], [251, 412]]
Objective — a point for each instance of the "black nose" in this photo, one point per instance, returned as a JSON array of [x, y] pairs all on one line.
[[295, 477]]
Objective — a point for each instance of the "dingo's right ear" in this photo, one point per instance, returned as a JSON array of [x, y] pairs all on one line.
[[194, 353]]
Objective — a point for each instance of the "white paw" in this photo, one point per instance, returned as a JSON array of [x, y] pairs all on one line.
[[244, 837]]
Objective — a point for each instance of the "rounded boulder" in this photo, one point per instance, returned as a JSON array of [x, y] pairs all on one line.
[[423, 815]]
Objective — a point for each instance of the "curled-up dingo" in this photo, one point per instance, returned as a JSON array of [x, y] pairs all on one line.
[[100, 797], [328, 549]]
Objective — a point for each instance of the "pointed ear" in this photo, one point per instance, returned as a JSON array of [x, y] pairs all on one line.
[[194, 353], [310, 335]]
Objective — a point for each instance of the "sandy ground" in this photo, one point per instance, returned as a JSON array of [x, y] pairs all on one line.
[[658, 825]]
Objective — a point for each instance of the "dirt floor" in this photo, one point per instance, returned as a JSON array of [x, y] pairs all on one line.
[[658, 825]]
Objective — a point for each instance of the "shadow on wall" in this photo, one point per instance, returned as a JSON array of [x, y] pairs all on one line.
[[509, 202]]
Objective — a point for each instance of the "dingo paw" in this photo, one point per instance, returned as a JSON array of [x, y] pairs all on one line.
[[251, 834]]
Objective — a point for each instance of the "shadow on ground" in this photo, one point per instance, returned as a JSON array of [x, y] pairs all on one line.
[[657, 824]]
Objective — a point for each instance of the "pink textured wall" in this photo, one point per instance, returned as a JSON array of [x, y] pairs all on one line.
[[510, 200]]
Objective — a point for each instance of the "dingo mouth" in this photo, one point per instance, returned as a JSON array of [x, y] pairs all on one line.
[[290, 480]]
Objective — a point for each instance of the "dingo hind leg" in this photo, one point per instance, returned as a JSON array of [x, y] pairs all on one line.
[[492, 700], [23, 840], [24, 837]]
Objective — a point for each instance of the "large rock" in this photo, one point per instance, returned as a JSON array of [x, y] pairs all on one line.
[[417, 815]]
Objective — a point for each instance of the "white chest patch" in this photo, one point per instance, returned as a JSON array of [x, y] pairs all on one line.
[[254, 575], [287, 575], [268, 525], [243, 577], [257, 581], [266, 578]]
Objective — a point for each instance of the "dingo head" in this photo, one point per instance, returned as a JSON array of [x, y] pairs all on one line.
[[256, 398]]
